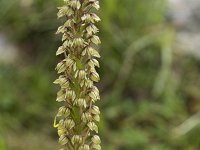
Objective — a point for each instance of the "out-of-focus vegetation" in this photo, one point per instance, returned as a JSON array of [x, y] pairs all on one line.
[[150, 93]]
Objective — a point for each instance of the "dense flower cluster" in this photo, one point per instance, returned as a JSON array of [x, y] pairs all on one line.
[[76, 119]]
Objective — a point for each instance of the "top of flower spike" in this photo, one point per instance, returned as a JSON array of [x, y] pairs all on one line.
[[76, 4], [95, 4], [67, 10]]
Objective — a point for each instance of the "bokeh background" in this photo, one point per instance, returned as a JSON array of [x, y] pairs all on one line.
[[150, 74]]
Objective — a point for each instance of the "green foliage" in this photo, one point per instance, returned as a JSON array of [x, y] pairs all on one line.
[[2, 144]]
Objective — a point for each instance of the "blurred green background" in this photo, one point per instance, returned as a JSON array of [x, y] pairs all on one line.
[[150, 92]]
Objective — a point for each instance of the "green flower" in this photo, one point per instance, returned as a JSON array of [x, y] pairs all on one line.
[[78, 116]]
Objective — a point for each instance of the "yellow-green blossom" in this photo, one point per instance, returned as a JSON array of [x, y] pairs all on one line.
[[76, 120]]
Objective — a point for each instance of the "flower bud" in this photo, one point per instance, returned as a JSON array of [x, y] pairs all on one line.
[[92, 29], [95, 76], [64, 11], [93, 62], [61, 29], [81, 102], [61, 124], [96, 5], [63, 140], [69, 62], [75, 4], [82, 83], [60, 67], [97, 146], [95, 110], [84, 147], [94, 95], [60, 96], [95, 39], [82, 74], [77, 139], [62, 81], [68, 43], [92, 126], [69, 124], [70, 95], [61, 132], [90, 18], [63, 111], [92, 52], [86, 117], [96, 139], [96, 118], [60, 50], [78, 42], [88, 83]]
